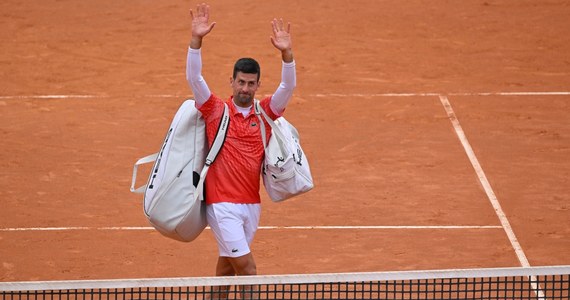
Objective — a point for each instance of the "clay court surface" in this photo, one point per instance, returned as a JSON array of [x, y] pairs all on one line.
[[88, 87]]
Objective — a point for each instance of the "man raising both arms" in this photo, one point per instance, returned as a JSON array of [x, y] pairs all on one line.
[[233, 181]]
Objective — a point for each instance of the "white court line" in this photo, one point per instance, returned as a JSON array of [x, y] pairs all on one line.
[[512, 94], [483, 179], [490, 193], [359, 95], [438, 94], [376, 95], [51, 96], [126, 228]]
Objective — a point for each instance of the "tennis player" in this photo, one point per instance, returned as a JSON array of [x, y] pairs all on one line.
[[233, 181]]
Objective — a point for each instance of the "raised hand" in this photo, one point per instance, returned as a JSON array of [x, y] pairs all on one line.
[[200, 26], [281, 37]]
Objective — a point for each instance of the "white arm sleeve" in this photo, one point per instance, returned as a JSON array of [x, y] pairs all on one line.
[[284, 92], [194, 77]]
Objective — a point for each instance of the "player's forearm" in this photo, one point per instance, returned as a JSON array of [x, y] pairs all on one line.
[[194, 76], [284, 92]]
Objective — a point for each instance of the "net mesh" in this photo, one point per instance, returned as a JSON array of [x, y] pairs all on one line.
[[507, 283]]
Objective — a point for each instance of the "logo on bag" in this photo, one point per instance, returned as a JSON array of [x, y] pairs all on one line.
[[158, 160], [224, 122], [279, 160], [300, 155]]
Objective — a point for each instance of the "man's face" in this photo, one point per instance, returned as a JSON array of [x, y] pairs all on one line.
[[244, 87]]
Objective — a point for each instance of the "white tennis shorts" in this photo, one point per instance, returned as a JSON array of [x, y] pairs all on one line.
[[234, 226]]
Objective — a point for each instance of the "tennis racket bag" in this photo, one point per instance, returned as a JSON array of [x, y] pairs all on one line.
[[173, 195]]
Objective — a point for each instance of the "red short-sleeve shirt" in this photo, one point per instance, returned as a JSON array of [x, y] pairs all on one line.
[[235, 174]]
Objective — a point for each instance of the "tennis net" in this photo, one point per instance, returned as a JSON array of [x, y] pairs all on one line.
[[495, 283]]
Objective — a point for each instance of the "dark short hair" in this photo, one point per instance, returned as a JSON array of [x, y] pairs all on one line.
[[247, 65]]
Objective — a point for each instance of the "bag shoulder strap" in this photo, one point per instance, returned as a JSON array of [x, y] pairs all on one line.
[[257, 109], [212, 154], [214, 150], [275, 129], [220, 136]]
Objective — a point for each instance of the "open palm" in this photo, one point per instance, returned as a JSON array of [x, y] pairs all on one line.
[[281, 38], [200, 19]]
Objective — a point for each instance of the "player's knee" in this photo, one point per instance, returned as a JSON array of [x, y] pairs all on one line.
[[244, 265], [248, 269], [225, 270]]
